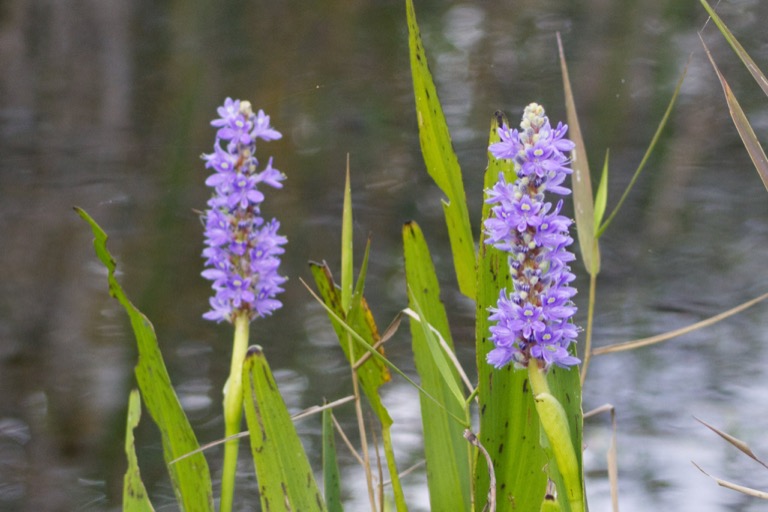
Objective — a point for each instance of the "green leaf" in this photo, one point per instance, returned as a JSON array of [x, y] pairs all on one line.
[[373, 373], [347, 260], [740, 51], [331, 477], [440, 159], [565, 386], [286, 481], [190, 476], [581, 180], [601, 198], [746, 133], [509, 425], [446, 451], [135, 498]]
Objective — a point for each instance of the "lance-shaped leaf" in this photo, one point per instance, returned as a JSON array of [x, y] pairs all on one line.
[[440, 159], [582, 182], [509, 425], [190, 476], [746, 133], [373, 373], [565, 386], [446, 451], [286, 481], [135, 498], [331, 476], [740, 51], [348, 303]]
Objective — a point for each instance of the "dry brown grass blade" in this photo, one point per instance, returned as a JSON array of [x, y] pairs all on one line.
[[612, 455], [740, 51], [736, 487], [490, 505], [738, 443], [309, 411], [583, 201], [631, 345], [746, 133]]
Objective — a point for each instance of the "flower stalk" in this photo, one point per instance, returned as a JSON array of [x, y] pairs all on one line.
[[533, 321], [242, 251]]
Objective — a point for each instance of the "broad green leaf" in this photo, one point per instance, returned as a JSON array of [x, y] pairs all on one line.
[[440, 159], [135, 498], [509, 425], [286, 481], [190, 476], [331, 477], [746, 133], [740, 51], [437, 356], [446, 451], [601, 197], [581, 180]]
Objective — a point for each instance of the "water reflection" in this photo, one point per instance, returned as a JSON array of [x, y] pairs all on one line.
[[106, 105]]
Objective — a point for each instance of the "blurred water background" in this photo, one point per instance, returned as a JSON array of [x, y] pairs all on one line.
[[105, 104]]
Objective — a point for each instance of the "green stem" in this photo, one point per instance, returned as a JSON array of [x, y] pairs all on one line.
[[588, 336], [233, 410]]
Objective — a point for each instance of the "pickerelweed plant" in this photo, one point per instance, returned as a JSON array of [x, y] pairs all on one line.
[[533, 321], [242, 250]]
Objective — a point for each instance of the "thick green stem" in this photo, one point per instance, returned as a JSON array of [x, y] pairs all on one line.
[[233, 411]]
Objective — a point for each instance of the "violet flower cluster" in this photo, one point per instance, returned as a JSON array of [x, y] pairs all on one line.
[[534, 320], [242, 249]]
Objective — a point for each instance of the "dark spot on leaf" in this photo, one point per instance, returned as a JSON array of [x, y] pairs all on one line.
[[499, 117], [525, 386], [501, 448]]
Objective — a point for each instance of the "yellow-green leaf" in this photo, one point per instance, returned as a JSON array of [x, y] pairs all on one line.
[[440, 159], [190, 476], [286, 481], [509, 424], [135, 498], [601, 197], [446, 451], [331, 476]]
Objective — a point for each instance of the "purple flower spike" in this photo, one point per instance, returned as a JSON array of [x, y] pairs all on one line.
[[242, 253], [534, 321]]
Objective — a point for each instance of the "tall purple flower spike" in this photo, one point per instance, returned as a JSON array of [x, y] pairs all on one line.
[[242, 253], [534, 320]]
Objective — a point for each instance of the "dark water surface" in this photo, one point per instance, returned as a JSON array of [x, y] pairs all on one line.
[[105, 104]]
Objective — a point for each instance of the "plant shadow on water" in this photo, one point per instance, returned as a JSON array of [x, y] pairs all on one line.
[[119, 133]]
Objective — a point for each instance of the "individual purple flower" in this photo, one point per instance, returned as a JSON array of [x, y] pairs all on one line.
[[242, 249], [534, 320]]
